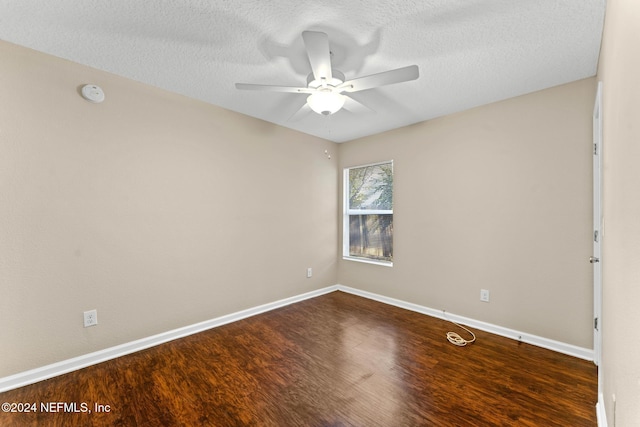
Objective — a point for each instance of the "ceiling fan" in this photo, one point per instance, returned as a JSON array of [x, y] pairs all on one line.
[[326, 87]]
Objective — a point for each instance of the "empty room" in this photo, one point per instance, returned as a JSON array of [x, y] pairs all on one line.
[[295, 213]]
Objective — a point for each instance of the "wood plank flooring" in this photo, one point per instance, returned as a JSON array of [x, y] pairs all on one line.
[[334, 360]]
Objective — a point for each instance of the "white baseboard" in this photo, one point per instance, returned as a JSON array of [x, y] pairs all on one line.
[[49, 371], [59, 368], [600, 412], [560, 347]]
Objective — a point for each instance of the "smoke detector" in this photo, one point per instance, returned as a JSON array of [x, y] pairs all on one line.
[[93, 93]]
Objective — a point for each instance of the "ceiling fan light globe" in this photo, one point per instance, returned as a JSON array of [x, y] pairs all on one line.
[[325, 103]]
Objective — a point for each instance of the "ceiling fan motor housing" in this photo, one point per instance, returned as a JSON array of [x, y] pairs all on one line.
[[337, 80]]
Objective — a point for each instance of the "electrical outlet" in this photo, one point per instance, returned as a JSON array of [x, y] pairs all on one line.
[[90, 318], [309, 272], [484, 295]]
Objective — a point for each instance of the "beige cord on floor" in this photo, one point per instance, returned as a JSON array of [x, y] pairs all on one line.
[[455, 338]]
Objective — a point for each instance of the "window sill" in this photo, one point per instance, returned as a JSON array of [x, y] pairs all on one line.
[[369, 261]]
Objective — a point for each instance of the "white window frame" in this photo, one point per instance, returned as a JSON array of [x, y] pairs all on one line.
[[347, 212]]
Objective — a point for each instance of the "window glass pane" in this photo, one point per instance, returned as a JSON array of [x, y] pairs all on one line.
[[370, 187], [371, 236]]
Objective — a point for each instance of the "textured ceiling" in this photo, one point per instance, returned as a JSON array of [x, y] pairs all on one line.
[[469, 52]]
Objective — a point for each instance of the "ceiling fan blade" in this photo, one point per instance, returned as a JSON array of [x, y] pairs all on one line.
[[398, 75], [270, 88], [354, 106], [317, 45], [304, 111]]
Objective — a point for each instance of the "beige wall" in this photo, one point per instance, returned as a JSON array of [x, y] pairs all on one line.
[[620, 73], [157, 210], [498, 197]]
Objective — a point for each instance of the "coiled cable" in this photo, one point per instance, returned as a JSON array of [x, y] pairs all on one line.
[[455, 338]]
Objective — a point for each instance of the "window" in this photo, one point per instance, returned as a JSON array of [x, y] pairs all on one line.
[[368, 213]]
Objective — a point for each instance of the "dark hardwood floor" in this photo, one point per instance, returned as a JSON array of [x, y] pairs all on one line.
[[334, 360]]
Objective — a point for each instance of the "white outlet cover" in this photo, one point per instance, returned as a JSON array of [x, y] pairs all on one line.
[[90, 318]]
